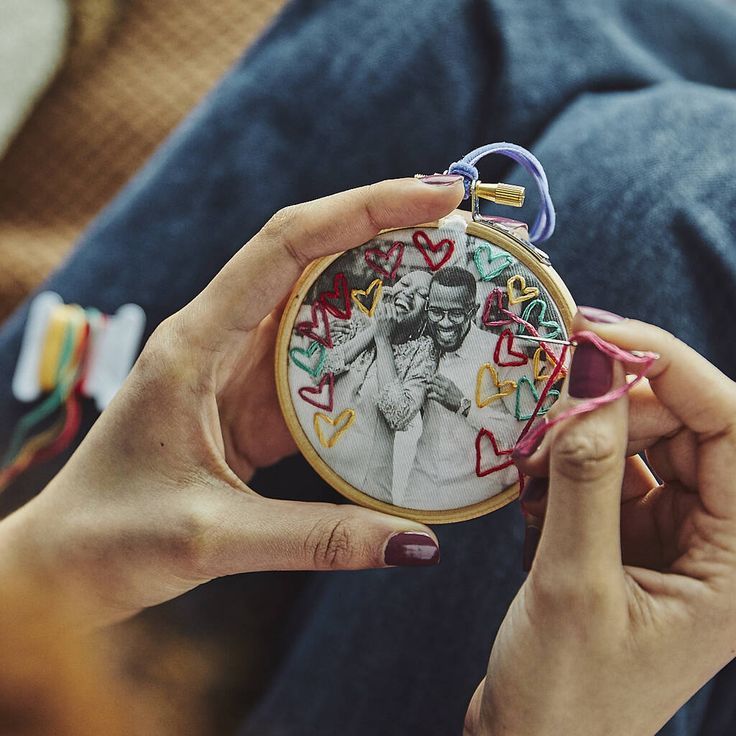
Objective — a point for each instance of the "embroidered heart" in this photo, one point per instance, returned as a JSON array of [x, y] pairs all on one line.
[[309, 392], [339, 292], [542, 357], [309, 328], [314, 369], [493, 310], [489, 265], [484, 434], [525, 292], [444, 248], [340, 424], [552, 396], [374, 291], [539, 304], [506, 341], [392, 257], [505, 388]]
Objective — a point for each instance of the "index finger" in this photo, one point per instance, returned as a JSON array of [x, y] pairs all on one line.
[[694, 390], [261, 274]]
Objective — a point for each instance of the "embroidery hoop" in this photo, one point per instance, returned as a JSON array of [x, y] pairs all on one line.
[[490, 230]]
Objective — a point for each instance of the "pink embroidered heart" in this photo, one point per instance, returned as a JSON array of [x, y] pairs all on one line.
[[309, 392], [494, 309], [443, 249], [506, 341], [392, 257], [309, 328], [341, 294], [484, 434]]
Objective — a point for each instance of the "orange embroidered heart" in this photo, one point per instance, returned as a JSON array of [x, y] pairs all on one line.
[[505, 388], [374, 290], [542, 357], [341, 423], [525, 292]]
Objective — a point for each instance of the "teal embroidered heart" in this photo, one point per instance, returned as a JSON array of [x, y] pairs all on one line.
[[550, 399], [314, 369], [539, 304], [489, 265]]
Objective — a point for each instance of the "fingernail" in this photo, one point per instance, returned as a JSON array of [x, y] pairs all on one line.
[[411, 549], [593, 314], [441, 180], [531, 542], [535, 489], [591, 372], [521, 452]]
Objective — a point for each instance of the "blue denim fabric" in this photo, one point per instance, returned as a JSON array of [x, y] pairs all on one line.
[[631, 107]]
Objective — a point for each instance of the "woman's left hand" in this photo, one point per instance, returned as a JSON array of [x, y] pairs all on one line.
[[155, 501], [630, 604]]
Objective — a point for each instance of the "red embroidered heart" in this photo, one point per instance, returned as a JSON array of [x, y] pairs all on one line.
[[506, 339], [493, 310], [308, 327], [444, 248], [339, 292], [485, 434], [394, 255], [308, 392]]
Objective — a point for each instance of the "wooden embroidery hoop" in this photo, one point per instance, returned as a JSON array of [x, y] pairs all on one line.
[[485, 229]]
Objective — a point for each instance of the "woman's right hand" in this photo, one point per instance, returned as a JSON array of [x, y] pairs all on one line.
[[385, 317], [630, 605]]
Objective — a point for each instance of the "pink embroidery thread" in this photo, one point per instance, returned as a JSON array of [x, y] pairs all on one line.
[[484, 433], [371, 254], [307, 392], [308, 327], [339, 292], [508, 336]]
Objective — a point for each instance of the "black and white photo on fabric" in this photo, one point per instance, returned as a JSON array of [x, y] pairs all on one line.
[[408, 369]]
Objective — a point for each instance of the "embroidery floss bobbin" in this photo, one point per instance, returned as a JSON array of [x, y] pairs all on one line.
[[407, 368]]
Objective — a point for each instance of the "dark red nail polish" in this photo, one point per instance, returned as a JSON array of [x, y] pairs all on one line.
[[522, 452], [441, 180], [535, 489], [411, 549], [601, 316], [591, 372], [531, 541]]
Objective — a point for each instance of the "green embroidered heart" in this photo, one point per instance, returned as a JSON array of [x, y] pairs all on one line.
[[550, 399], [311, 368], [489, 265], [554, 328]]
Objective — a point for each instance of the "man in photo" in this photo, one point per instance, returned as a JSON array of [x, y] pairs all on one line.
[[443, 475]]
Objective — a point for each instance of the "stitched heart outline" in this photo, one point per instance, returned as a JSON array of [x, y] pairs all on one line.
[[371, 254], [313, 370], [539, 375], [508, 337], [495, 301], [485, 268], [308, 327], [341, 423], [524, 381], [505, 388], [339, 292], [540, 304], [376, 286], [422, 242], [307, 392], [525, 292], [488, 435]]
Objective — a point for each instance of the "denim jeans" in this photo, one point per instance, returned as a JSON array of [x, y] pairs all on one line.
[[631, 107]]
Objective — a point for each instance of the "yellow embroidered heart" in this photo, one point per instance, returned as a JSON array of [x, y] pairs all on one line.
[[376, 287], [541, 358], [525, 292], [341, 423], [505, 388]]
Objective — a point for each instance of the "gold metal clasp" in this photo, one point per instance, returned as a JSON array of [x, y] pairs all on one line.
[[506, 194]]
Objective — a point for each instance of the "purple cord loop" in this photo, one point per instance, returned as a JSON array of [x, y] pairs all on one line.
[[544, 224]]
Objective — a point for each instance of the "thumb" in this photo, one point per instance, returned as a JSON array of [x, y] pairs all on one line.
[[264, 534], [581, 535]]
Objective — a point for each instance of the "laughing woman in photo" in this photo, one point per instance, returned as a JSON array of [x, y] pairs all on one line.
[[382, 369]]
